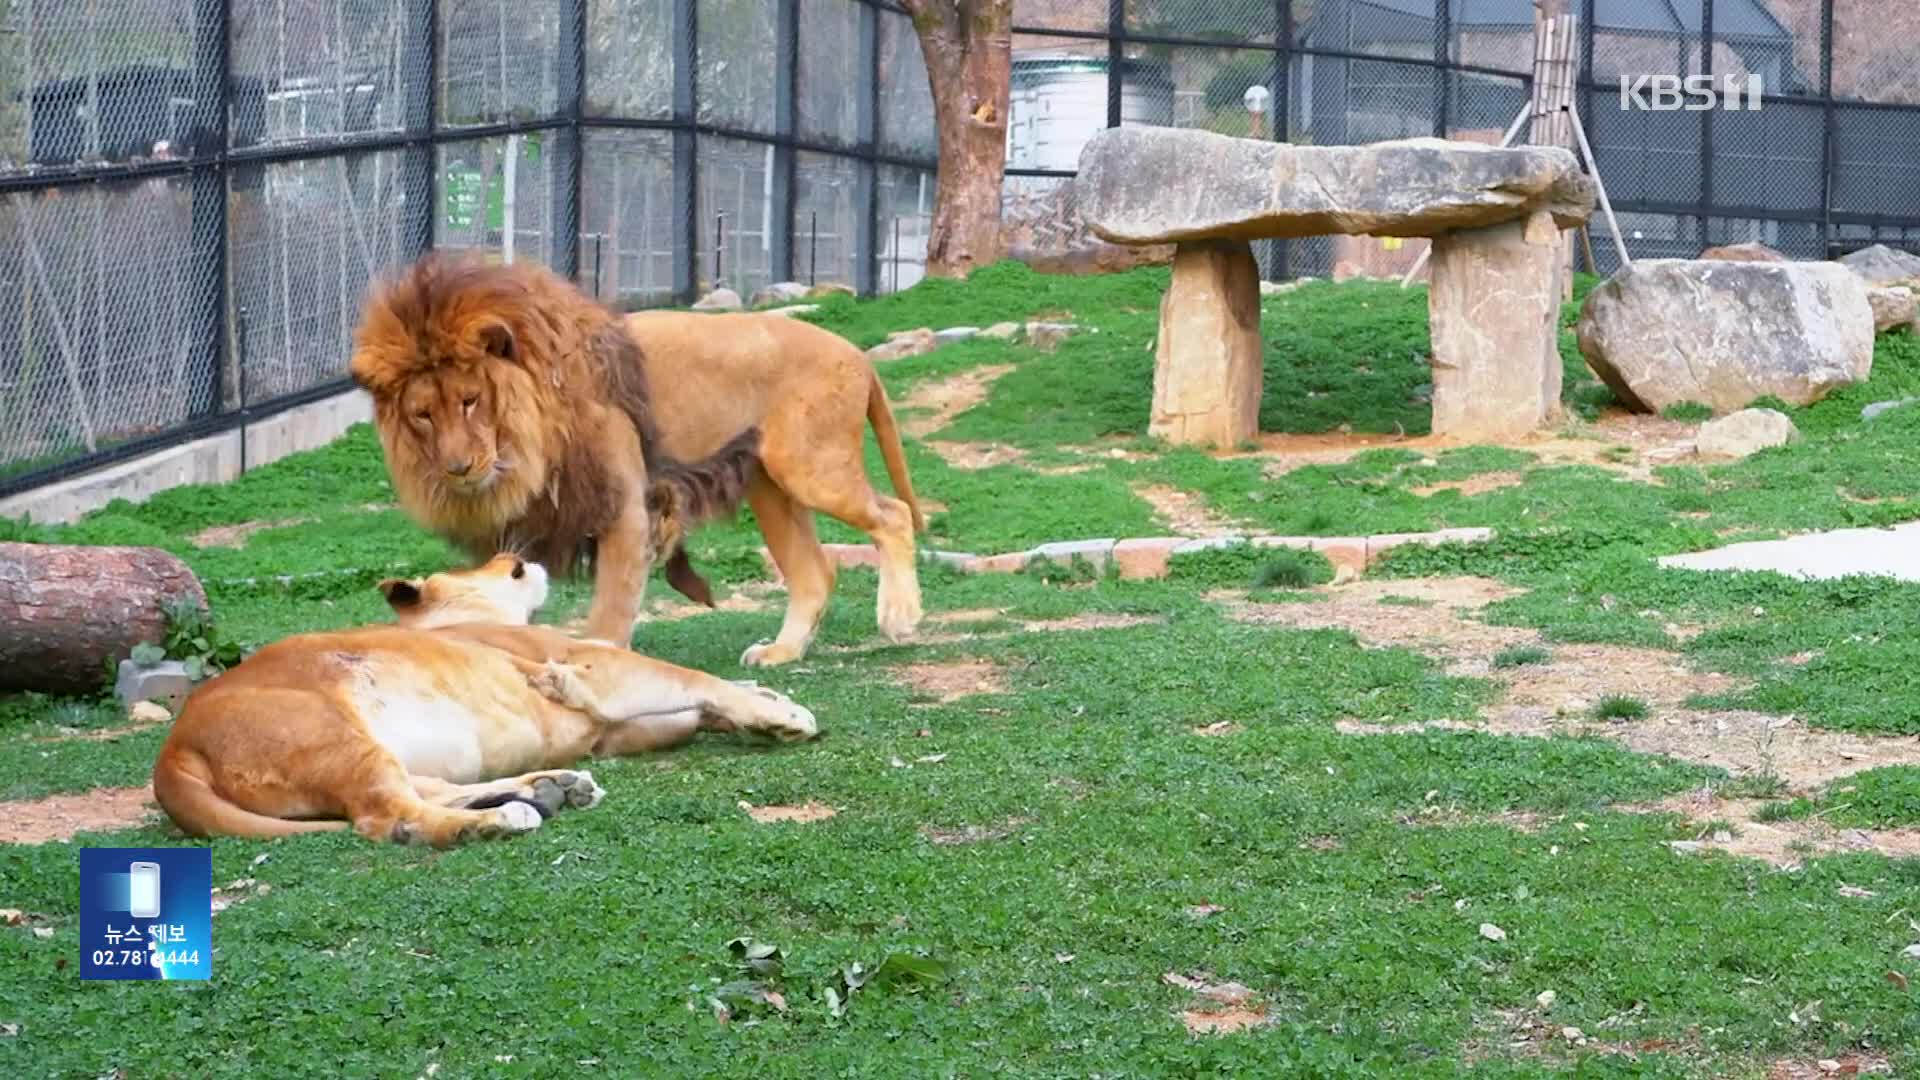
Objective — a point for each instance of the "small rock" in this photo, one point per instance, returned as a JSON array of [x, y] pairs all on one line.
[[1685, 847], [1881, 408], [8, 1031], [719, 300], [829, 288], [1279, 288], [1722, 836], [953, 335], [1047, 336], [1911, 952], [792, 310], [43, 932], [1745, 433], [146, 712], [1001, 331], [165, 682], [901, 345], [780, 292], [1572, 1034], [1545, 1000], [1492, 932], [1828, 1065]]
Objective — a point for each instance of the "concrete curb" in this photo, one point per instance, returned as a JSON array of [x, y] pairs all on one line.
[[1147, 558]]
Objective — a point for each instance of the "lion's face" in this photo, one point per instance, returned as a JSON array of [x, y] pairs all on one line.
[[450, 414]]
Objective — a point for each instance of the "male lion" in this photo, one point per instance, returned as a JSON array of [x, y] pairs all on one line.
[[518, 413], [457, 722]]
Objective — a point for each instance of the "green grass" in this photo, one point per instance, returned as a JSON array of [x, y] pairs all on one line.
[[1620, 707], [1098, 816]]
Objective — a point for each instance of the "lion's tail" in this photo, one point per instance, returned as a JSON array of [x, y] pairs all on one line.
[[184, 793], [880, 415]]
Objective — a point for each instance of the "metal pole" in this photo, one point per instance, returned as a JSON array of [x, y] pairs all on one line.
[[719, 239], [684, 238], [211, 107], [567, 168], [1828, 152], [1580, 132], [420, 111], [779, 221], [813, 247], [866, 267], [1702, 233], [896, 253]]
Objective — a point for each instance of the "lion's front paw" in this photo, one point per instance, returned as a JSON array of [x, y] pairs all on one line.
[[769, 654]]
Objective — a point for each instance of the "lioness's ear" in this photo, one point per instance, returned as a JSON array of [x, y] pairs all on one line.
[[400, 594], [497, 339]]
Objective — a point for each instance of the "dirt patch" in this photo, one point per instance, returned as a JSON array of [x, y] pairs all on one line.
[[1472, 485], [1449, 817], [1534, 1034], [1437, 624], [60, 817], [1228, 1007], [1728, 825], [951, 680], [973, 456], [965, 617], [1185, 513], [1828, 1068], [944, 399], [1620, 442], [1097, 620], [974, 834], [808, 811], [235, 536], [1219, 728]]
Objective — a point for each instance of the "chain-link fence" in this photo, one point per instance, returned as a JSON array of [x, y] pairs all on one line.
[[195, 194], [1830, 162]]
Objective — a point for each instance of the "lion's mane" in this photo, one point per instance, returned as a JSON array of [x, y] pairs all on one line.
[[570, 353]]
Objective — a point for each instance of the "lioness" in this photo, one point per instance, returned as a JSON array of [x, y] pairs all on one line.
[[457, 722], [517, 413]]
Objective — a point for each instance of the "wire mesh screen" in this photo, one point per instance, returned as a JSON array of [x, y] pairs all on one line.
[[735, 190], [630, 59], [905, 217], [1874, 46], [99, 82], [906, 98], [499, 61], [306, 70], [826, 209], [1235, 21], [829, 70], [626, 217], [736, 73], [97, 305]]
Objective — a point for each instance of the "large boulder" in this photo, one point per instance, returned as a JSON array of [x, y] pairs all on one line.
[[1158, 185], [1664, 331], [1882, 265], [1743, 253], [1893, 308]]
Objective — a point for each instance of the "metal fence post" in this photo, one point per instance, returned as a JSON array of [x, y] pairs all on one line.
[[419, 118], [866, 249], [1702, 228], [1116, 59], [572, 78], [1829, 163], [209, 182], [1442, 58], [686, 271], [786, 97]]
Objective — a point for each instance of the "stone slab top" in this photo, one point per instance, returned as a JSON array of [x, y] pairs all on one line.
[[1157, 185]]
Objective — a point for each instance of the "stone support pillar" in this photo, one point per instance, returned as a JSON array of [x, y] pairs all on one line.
[[1207, 373], [1494, 309]]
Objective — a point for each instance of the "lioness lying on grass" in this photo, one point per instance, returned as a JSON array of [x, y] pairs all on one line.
[[456, 723]]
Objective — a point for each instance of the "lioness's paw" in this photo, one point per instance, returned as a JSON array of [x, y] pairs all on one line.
[[561, 684], [583, 793], [769, 654], [516, 817], [899, 614]]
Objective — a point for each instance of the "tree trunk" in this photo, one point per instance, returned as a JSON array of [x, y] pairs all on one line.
[[68, 611], [968, 46]]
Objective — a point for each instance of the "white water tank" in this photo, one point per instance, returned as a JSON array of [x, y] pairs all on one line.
[[1059, 101]]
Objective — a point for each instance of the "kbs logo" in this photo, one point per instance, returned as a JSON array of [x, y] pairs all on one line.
[[1692, 93]]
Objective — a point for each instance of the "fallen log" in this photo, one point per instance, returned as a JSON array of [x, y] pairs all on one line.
[[68, 612]]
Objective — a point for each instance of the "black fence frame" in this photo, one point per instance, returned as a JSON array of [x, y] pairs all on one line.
[[210, 162]]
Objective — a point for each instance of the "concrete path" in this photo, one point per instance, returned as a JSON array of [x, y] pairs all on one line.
[[1893, 552]]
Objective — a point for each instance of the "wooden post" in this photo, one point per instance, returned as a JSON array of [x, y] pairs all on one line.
[[1554, 76]]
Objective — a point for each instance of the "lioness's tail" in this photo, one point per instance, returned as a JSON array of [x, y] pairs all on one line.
[[201, 811], [880, 415]]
